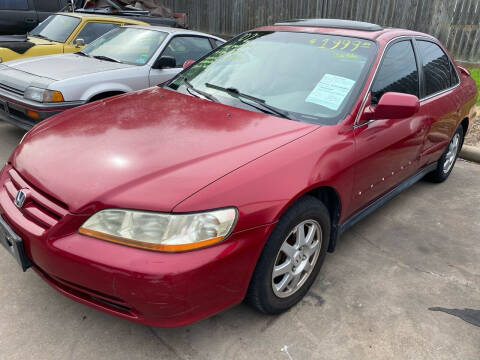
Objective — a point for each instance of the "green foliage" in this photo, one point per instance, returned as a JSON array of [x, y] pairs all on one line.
[[476, 76]]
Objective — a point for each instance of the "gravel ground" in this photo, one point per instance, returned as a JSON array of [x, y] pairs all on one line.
[[473, 135]]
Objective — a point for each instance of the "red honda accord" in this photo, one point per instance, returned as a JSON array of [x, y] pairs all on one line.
[[232, 181]]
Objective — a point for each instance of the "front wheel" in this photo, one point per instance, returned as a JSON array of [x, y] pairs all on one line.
[[291, 258], [448, 159]]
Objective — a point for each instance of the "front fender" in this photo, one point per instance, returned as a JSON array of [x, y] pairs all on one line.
[[265, 187], [104, 88]]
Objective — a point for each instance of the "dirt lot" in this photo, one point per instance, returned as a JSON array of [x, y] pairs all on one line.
[[473, 135]]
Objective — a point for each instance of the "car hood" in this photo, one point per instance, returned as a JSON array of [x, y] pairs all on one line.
[[145, 150], [62, 67]]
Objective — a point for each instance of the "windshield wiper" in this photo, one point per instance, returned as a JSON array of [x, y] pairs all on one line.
[[41, 37], [82, 53], [190, 88], [264, 107], [106, 58]]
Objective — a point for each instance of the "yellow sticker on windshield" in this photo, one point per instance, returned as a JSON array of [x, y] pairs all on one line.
[[345, 45], [345, 56]]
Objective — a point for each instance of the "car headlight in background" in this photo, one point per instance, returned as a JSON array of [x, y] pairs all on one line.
[[43, 95], [161, 232]]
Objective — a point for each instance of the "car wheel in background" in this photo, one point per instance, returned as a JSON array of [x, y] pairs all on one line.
[[291, 258], [448, 159]]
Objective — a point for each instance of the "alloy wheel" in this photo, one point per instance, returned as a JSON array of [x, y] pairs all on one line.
[[451, 155], [296, 258]]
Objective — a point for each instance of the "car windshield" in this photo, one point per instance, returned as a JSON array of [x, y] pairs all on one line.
[[56, 28], [304, 76], [127, 45]]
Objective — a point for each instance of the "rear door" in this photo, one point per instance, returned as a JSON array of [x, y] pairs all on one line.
[[440, 96], [182, 48], [17, 16]]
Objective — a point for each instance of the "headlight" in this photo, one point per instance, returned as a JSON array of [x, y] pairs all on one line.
[[161, 232], [43, 95]]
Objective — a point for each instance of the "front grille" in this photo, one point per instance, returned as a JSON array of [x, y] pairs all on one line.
[[39, 208], [17, 113], [11, 89], [105, 301]]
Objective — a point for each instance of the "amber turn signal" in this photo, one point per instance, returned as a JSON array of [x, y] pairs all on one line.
[[33, 114], [149, 246], [56, 96]]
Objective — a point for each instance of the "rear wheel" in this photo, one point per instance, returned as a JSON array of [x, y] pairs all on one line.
[[448, 159], [292, 257]]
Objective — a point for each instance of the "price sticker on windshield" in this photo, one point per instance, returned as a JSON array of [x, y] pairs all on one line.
[[339, 44], [331, 91]]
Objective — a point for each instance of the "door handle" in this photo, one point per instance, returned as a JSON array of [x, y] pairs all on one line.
[[30, 20]]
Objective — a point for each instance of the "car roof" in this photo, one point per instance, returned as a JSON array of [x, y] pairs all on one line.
[[333, 23], [101, 17], [342, 27], [176, 31]]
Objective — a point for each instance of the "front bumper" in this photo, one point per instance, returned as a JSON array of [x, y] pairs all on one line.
[[13, 109], [152, 288]]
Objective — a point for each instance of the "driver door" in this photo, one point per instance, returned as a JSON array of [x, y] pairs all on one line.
[[388, 150], [182, 48]]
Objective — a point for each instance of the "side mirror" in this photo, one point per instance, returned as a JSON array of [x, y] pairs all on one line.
[[165, 62], [396, 106], [188, 63], [79, 43], [464, 71]]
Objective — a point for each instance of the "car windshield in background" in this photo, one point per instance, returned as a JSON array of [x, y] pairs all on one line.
[[127, 45], [56, 28], [309, 77]]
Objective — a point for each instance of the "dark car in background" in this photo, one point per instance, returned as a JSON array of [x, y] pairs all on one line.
[[21, 16]]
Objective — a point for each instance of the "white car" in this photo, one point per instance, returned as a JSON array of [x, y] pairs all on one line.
[[125, 59]]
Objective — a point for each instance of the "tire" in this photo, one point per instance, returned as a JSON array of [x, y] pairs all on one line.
[[312, 216], [446, 163]]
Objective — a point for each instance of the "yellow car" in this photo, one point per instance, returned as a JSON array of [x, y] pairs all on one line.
[[60, 33]]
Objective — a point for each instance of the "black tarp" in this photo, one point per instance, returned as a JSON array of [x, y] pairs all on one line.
[[17, 43]]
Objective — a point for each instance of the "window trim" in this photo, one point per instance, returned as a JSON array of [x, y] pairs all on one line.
[[441, 92], [369, 88], [415, 55], [187, 35], [423, 99]]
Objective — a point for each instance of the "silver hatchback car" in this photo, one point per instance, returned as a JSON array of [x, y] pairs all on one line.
[[123, 60]]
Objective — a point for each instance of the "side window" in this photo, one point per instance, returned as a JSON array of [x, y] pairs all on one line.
[[398, 72], [47, 5], [13, 4], [437, 68], [218, 43], [184, 48], [93, 30]]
